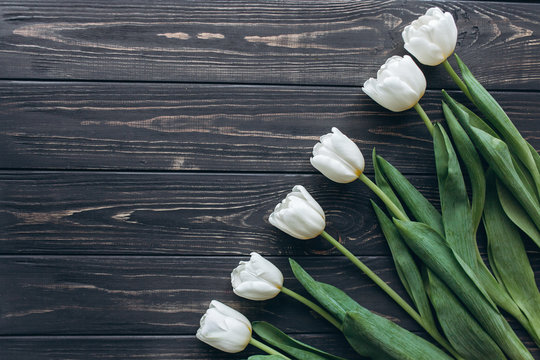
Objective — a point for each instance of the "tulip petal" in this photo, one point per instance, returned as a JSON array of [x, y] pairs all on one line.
[[256, 290], [333, 169]]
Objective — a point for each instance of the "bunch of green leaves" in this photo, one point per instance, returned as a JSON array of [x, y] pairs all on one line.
[[461, 329], [466, 127], [456, 229], [369, 334], [512, 159]]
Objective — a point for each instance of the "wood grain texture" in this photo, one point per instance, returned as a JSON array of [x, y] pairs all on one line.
[[212, 127], [113, 295], [167, 213], [144, 347], [339, 42]]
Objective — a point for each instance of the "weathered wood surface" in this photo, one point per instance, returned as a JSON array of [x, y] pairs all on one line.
[[142, 347], [144, 144], [164, 295], [212, 127], [338, 42]]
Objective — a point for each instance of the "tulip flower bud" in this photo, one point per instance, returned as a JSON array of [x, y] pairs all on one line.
[[224, 328], [432, 37], [256, 279], [299, 215], [337, 157], [399, 85]]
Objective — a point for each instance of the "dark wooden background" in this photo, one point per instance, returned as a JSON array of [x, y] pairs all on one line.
[[144, 144]]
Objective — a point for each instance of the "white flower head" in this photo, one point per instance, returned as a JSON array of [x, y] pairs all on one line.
[[432, 37], [256, 279], [337, 157], [224, 328], [399, 84], [299, 215]]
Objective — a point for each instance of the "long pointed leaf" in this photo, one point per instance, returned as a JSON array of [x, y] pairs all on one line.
[[455, 209], [383, 184], [431, 248], [282, 341], [406, 267], [419, 206], [473, 163]]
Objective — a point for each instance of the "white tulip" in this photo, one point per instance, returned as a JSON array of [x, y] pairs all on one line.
[[337, 157], [399, 85], [299, 215], [256, 279], [224, 328], [432, 37]]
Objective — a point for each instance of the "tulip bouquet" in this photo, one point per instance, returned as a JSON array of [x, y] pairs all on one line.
[[455, 296]]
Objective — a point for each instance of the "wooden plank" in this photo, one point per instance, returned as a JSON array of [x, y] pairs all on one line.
[[155, 347], [283, 42], [170, 214], [167, 213], [146, 347], [164, 295], [211, 127]]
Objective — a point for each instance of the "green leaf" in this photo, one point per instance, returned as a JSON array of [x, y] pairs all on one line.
[[496, 153], [473, 163], [466, 117], [280, 340], [509, 260], [428, 245], [336, 302], [455, 209], [389, 338], [418, 205], [498, 118], [517, 214], [314, 289], [265, 357], [408, 272], [461, 329], [535, 155], [383, 184]]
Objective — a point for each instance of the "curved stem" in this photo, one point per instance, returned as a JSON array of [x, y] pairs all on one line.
[[319, 310], [389, 203], [395, 296], [424, 117], [267, 349], [450, 70]]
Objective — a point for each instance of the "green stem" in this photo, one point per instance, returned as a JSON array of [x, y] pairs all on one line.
[[266, 348], [424, 117], [389, 203], [319, 310], [450, 70], [395, 296]]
